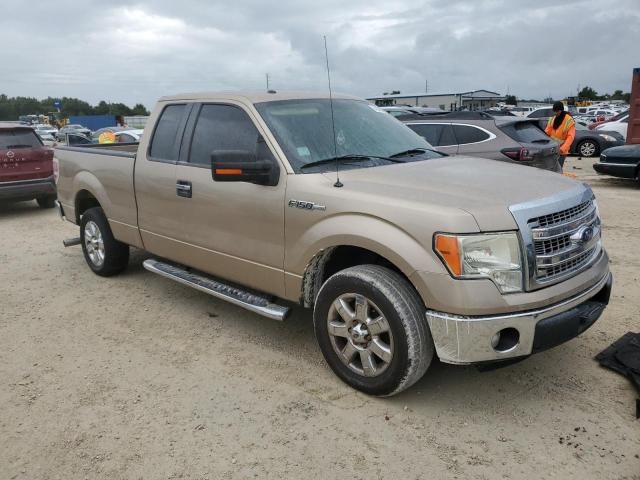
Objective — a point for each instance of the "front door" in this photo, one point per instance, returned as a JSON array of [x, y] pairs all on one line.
[[233, 230]]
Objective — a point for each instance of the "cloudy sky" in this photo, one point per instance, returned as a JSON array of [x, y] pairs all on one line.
[[136, 51]]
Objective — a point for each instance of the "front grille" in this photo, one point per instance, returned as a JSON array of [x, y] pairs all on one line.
[[573, 264], [545, 247], [560, 243], [562, 216]]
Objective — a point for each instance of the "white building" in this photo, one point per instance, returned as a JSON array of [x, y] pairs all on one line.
[[475, 100]]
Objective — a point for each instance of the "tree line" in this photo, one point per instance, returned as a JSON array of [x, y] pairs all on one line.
[[12, 107]]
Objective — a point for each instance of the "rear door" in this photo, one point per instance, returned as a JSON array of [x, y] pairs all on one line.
[[23, 156], [440, 135], [474, 140], [527, 135]]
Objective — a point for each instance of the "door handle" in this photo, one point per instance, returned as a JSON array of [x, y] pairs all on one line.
[[183, 189]]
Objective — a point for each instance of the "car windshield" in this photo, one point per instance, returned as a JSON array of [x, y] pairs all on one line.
[[304, 131]]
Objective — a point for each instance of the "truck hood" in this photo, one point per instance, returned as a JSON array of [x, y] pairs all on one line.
[[484, 188]]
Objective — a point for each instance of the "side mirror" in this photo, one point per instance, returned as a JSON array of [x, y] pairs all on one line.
[[242, 166]]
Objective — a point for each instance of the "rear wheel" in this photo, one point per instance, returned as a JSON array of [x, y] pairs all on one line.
[[371, 328], [105, 255], [588, 148], [46, 202]]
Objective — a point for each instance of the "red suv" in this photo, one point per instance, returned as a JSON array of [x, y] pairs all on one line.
[[26, 166]]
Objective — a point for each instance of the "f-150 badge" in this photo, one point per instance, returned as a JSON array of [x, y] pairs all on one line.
[[302, 205]]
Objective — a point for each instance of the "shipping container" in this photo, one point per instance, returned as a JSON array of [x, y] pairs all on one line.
[[633, 129], [93, 122]]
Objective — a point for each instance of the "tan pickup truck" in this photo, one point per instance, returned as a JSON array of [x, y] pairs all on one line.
[[408, 254]]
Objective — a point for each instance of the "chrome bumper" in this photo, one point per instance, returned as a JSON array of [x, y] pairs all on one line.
[[465, 340]]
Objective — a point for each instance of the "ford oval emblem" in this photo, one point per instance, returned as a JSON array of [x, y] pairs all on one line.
[[583, 235]]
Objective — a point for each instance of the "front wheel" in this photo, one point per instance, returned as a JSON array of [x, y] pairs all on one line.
[[105, 255], [371, 327]]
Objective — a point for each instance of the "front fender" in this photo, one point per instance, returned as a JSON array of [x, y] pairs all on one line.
[[404, 251]]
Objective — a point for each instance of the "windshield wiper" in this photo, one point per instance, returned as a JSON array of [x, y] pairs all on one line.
[[540, 140], [412, 151], [18, 145], [350, 156]]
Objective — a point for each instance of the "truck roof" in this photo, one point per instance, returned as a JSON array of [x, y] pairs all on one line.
[[13, 126], [257, 96]]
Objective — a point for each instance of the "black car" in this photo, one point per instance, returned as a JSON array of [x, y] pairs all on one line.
[[621, 162], [589, 143]]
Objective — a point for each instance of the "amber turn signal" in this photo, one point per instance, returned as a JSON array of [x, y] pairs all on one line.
[[447, 247], [228, 171]]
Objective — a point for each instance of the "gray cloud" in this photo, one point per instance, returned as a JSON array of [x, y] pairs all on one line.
[[138, 51]]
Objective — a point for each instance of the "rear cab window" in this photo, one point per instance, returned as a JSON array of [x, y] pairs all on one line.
[[19, 138], [164, 143]]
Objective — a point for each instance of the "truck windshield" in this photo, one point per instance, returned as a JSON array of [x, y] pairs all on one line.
[[305, 134]]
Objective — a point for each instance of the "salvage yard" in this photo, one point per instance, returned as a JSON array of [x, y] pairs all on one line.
[[136, 376]]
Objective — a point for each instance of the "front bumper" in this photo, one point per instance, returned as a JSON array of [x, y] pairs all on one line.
[[27, 189], [624, 170], [465, 339]]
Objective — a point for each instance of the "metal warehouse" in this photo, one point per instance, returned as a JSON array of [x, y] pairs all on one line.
[[474, 100]]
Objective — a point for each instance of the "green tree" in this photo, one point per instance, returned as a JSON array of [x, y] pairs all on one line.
[[510, 100], [588, 93], [139, 109]]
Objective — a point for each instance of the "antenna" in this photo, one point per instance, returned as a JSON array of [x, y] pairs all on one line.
[[338, 183]]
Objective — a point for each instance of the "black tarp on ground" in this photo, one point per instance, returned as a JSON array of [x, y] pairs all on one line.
[[623, 356]]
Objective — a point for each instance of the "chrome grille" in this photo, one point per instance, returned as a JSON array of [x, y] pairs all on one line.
[[565, 241], [561, 217]]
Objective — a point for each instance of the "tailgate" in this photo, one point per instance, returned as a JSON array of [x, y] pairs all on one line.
[[23, 157]]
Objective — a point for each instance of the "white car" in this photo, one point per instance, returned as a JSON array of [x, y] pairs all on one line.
[[619, 126], [43, 127], [129, 136]]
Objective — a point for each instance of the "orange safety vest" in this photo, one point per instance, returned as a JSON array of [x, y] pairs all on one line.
[[107, 137], [565, 133]]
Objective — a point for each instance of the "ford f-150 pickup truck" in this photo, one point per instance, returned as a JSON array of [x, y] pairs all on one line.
[[403, 254]]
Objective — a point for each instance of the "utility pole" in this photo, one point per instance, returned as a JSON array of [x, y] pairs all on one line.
[[267, 75], [426, 86]]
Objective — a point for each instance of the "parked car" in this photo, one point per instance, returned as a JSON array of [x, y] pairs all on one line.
[[407, 255], [26, 166], [619, 126], [45, 135], [73, 128], [43, 127], [509, 139], [129, 136], [621, 162], [95, 135], [589, 143], [620, 116], [397, 111]]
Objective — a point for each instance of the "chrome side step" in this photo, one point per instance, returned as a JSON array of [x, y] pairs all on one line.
[[252, 301]]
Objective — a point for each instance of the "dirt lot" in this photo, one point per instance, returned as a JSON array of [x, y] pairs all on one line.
[[139, 377]]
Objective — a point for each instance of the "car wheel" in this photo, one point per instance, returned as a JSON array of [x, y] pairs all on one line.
[[46, 202], [371, 328], [105, 255], [588, 148]]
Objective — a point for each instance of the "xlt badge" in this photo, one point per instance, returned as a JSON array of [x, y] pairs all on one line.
[[301, 204]]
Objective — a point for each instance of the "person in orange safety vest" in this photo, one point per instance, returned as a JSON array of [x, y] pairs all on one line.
[[107, 137], [562, 128]]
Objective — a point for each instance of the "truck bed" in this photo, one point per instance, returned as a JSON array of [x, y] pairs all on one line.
[[107, 172]]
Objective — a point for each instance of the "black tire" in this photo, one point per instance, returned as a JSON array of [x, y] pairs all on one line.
[[591, 147], [393, 298], [46, 202], [115, 255]]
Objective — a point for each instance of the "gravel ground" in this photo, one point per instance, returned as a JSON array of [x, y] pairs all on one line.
[[139, 377]]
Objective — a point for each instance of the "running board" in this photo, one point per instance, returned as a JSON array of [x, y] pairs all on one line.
[[252, 301]]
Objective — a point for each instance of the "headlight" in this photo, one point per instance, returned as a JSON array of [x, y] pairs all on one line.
[[606, 137], [494, 256]]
